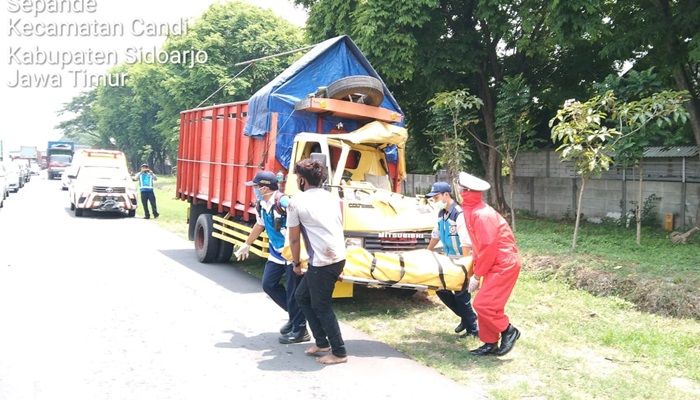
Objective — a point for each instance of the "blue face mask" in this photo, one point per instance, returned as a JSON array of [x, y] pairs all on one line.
[[258, 195]]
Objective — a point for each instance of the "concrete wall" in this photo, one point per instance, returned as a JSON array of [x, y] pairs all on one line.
[[546, 186]]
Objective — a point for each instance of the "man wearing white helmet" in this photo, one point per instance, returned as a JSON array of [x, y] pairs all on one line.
[[496, 260]]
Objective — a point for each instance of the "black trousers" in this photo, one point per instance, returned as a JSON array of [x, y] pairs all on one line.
[[459, 303], [146, 197], [314, 295]]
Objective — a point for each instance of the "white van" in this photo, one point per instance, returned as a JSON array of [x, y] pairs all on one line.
[[100, 181]]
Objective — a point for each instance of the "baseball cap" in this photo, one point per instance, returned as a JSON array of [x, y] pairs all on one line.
[[144, 165], [264, 178], [439, 187], [471, 182]]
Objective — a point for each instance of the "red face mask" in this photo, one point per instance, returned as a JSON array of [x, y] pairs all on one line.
[[470, 198]]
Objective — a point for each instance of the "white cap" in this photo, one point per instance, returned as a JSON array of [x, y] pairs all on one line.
[[471, 182]]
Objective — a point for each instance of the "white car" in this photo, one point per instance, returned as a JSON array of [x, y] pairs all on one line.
[[34, 168], [14, 177], [23, 166], [65, 177], [102, 188], [4, 190]]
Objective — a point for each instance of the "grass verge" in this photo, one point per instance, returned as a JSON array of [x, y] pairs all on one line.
[[657, 276], [173, 211]]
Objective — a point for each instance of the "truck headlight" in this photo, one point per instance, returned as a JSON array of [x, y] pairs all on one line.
[[359, 242]]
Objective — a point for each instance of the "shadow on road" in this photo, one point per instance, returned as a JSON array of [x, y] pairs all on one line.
[[97, 214], [225, 275], [280, 357]]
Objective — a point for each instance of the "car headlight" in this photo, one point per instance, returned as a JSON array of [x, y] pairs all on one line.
[[359, 242]]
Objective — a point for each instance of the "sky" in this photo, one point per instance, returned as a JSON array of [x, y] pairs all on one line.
[[30, 113]]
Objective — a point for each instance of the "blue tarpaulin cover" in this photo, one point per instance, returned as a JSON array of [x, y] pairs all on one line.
[[327, 62]]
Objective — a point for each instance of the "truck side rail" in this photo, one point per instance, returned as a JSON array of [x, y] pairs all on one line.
[[236, 233]]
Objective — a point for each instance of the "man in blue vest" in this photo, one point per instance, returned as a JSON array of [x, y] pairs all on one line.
[[146, 178], [451, 230], [271, 210]]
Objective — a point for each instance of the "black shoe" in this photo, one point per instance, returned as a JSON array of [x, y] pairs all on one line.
[[286, 328], [147, 217], [155, 215], [508, 338], [470, 332], [485, 350], [459, 328], [295, 337]]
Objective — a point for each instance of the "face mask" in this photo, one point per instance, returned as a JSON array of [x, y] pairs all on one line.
[[258, 195], [440, 204]]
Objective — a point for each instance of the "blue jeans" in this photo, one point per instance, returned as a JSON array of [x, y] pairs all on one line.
[[459, 303], [272, 275], [315, 295]]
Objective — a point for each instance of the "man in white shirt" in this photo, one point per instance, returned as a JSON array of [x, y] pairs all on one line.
[[315, 214]]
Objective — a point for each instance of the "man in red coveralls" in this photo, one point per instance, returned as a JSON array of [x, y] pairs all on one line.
[[496, 260]]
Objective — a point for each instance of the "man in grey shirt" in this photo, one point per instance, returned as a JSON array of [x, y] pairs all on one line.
[[315, 214]]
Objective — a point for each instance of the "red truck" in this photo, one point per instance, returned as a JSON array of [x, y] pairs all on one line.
[[347, 114]]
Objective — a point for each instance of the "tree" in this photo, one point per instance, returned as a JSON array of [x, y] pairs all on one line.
[[589, 138], [83, 126], [514, 127], [454, 114], [645, 102], [585, 140], [664, 109], [664, 34], [142, 116]]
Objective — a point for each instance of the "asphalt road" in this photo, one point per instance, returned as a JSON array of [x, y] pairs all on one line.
[[102, 307]]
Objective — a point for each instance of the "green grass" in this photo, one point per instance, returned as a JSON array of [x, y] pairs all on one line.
[[613, 248], [173, 212], [574, 345]]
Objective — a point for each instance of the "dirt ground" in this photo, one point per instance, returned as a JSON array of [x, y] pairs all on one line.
[[659, 296]]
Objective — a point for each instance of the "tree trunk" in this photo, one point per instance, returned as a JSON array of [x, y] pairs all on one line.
[[493, 175], [511, 179], [578, 213], [680, 69], [639, 206]]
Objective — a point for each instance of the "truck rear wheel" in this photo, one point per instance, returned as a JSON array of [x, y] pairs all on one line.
[[358, 89], [195, 211], [206, 246], [225, 252]]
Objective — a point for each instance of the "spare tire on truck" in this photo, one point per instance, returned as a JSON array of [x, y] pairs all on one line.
[[358, 89], [205, 245]]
